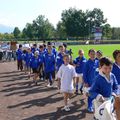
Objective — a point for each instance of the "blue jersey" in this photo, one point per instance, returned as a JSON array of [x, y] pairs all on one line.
[[104, 86], [19, 53], [35, 62], [59, 61], [41, 55], [28, 58], [116, 72], [89, 71], [80, 64], [49, 62], [34, 49], [54, 51]]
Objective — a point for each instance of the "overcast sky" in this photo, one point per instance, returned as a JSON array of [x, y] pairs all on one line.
[[19, 12]]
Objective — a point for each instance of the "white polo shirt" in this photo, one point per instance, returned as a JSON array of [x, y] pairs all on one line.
[[66, 74]]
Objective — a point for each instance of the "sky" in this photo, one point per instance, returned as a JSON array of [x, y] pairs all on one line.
[[19, 12]]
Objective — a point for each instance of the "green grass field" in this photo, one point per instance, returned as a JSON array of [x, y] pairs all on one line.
[[106, 49]]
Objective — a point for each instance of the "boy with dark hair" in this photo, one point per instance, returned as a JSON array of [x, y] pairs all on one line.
[[34, 48], [24, 58], [41, 56], [35, 62], [29, 56], [105, 84], [89, 74], [99, 54], [19, 53], [59, 58], [49, 65], [116, 67], [65, 46]]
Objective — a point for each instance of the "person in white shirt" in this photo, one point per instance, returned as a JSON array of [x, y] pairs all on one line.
[[66, 76]]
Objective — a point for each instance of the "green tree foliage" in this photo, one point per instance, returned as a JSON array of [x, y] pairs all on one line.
[[60, 30], [28, 31], [78, 23], [96, 17], [6, 36], [107, 31], [16, 32], [41, 28], [116, 33], [74, 21]]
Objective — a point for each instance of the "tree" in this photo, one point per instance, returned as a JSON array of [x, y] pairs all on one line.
[[28, 31], [115, 32], [107, 31], [78, 23], [96, 17], [74, 22], [60, 30], [42, 28], [16, 32]]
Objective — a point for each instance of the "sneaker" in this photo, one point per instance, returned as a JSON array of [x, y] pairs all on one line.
[[66, 108], [49, 85], [90, 110], [81, 91], [76, 92]]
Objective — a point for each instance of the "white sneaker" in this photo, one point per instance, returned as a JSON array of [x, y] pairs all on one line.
[[66, 108], [49, 85]]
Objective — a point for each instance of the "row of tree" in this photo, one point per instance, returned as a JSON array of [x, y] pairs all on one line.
[[74, 23]]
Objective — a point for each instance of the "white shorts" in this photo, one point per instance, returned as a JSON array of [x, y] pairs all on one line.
[[79, 75], [66, 91]]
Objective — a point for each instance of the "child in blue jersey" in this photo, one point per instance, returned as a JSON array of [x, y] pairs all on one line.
[[34, 64], [69, 52], [49, 65], [24, 60], [116, 67], [34, 48], [99, 55], [41, 56], [79, 64], [19, 53], [29, 56], [105, 83], [59, 58], [54, 51], [44, 48], [89, 74]]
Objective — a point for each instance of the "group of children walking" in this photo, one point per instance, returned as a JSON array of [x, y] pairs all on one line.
[[97, 76]]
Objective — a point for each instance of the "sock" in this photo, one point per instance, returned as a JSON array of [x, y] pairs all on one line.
[[76, 87]]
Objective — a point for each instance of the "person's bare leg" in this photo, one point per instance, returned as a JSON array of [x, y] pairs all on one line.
[[77, 82], [117, 107], [66, 99]]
